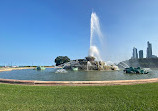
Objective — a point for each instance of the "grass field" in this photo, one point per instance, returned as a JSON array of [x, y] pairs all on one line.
[[142, 97]]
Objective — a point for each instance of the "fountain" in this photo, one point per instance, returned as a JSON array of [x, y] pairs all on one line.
[[94, 60], [95, 33]]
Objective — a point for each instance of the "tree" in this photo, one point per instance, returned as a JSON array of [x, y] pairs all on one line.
[[61, 60]]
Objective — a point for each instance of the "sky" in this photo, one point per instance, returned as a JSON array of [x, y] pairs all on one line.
[[35, 32]]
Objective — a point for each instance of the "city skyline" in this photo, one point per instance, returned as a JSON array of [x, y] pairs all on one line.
[[141, 52]]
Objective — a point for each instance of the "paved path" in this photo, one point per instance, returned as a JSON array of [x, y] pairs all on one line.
[[78, 83]]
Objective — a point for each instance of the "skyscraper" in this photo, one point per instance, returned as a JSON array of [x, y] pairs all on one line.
[[149, 50], [135, 54], [141, 54]]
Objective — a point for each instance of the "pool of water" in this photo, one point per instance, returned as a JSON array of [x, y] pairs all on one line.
[[50, 75]]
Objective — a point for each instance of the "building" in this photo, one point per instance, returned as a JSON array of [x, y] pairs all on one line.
[[149, 50], [141, 54], [135, 54]]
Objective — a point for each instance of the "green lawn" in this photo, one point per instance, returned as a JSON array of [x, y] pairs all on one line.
[[142, 97]]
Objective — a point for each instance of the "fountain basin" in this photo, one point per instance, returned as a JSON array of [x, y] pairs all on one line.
[[50, 75]]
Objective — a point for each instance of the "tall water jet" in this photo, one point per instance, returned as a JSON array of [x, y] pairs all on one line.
[[95, 32]]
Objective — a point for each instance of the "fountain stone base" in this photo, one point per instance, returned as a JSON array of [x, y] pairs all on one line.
[[89, 64]]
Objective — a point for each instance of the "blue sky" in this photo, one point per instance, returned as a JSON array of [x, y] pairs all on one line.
[[37, 31]]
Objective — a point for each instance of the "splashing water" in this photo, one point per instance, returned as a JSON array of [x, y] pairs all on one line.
[[88, 64], [94, 52], [95, 32]]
